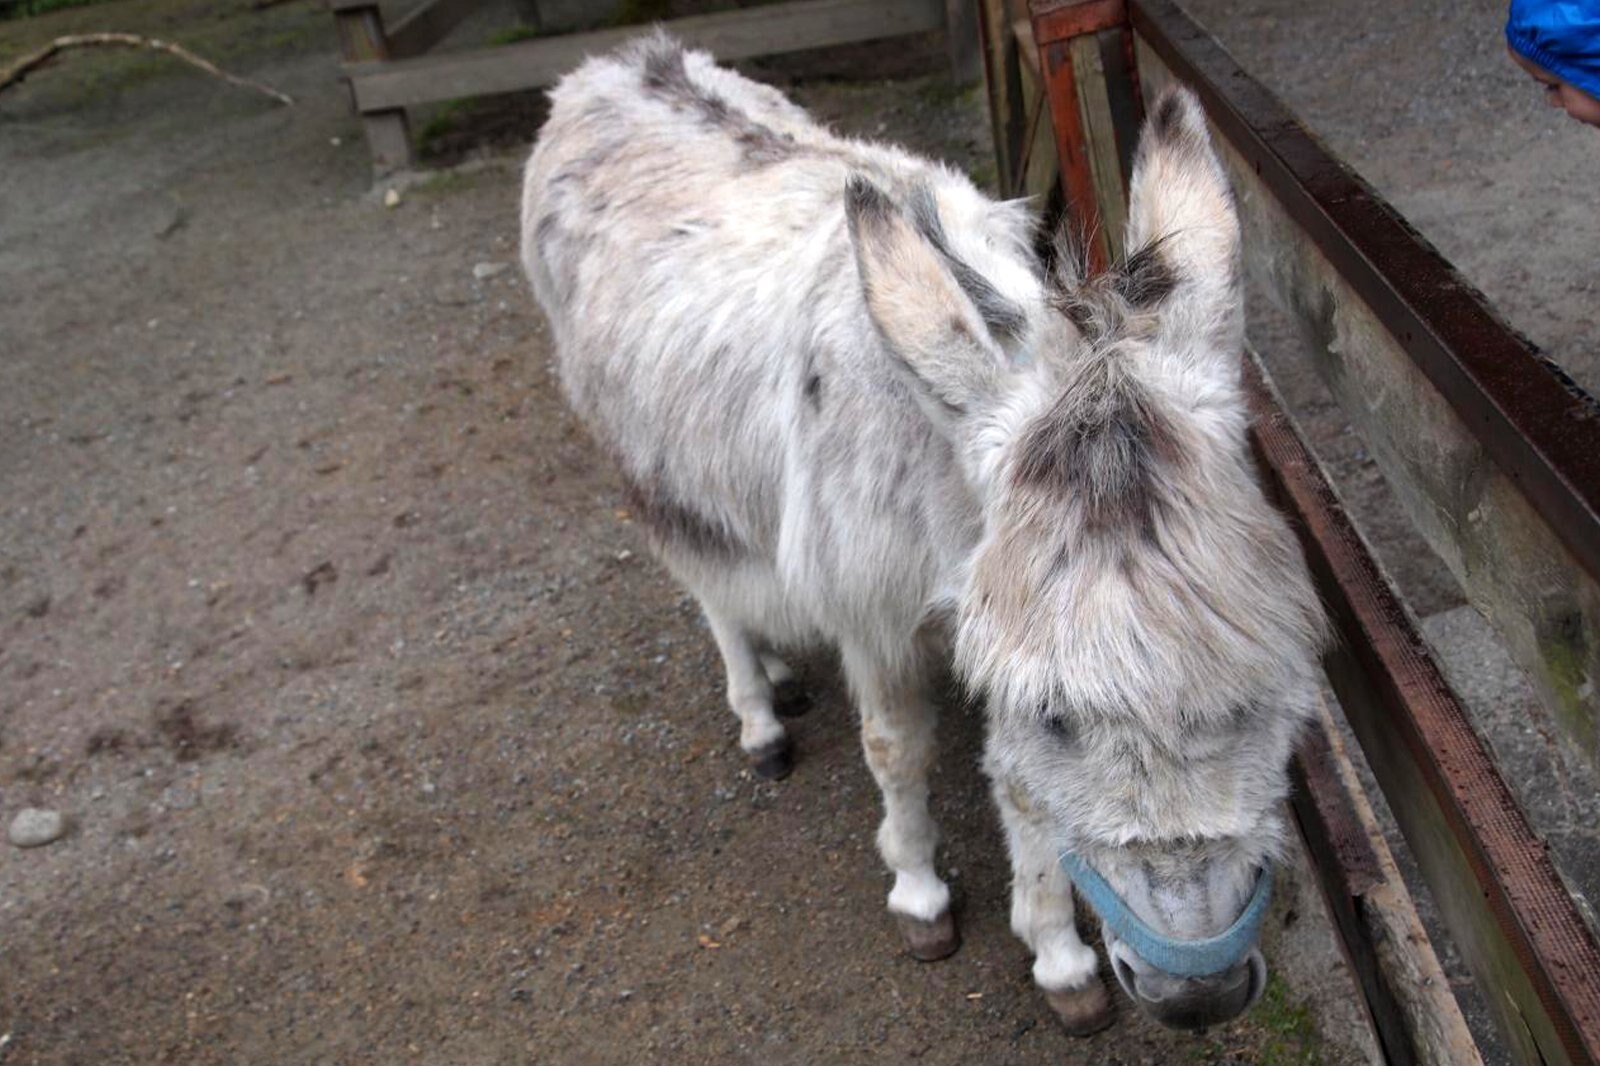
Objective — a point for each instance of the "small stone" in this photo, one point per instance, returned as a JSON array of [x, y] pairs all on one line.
[[391, 198], [485, 271], [335, 141], [33, 828]]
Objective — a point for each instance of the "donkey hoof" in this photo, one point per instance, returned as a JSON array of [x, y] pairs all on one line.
[[790, 699], [1081, 1011], [929, 941], [774, 762]]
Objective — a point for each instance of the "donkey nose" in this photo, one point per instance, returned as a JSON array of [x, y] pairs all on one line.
[[1195, 1002]]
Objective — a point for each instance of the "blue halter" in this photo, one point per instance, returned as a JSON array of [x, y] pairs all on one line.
[[1180, 958]]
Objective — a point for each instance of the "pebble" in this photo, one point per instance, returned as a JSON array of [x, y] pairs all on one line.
[[33, 828], [485, 271]]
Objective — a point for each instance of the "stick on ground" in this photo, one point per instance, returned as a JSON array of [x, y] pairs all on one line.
[[17, 71]]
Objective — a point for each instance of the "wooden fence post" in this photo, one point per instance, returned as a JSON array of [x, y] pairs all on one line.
[[962, 41], [362, 40], [1086, 57]]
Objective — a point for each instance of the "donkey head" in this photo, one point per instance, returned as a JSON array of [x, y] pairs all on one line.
[[1138, 617]]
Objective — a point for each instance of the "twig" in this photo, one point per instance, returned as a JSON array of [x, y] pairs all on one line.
[[18, 70]]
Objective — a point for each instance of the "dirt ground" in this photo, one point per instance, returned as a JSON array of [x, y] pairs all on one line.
[[379, 736]]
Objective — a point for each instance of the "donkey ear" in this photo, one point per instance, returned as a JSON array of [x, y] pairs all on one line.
[[930, 324], [1180, 208]]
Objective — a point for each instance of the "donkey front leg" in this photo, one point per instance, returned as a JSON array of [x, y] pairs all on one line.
[[897, 734], [1064, 967]]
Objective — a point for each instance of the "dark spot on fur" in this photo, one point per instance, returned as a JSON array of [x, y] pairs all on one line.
[[1000, 314], [1100, 307], [1102, 443], [866, 206], [1061, 725], [813, 390], [1080, 314], [1167, 122], [763, 146], [664, 71], [544, 231], [678, 525], [1170, 126], [1145, 279], [665, 75]]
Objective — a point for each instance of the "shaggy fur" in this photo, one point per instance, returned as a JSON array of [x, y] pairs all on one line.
[[854, 408]]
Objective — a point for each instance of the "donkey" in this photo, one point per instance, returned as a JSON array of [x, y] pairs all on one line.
[[852, 405]]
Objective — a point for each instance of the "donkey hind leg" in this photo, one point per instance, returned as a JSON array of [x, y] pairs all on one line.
[[897, 735], [789, 697], [1064, 967], [750, 688], [778, 672]]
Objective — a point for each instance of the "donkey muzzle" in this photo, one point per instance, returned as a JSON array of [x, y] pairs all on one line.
[[1184, 984], [1190, 1002]]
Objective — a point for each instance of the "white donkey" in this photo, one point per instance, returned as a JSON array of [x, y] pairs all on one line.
[[850, 405]]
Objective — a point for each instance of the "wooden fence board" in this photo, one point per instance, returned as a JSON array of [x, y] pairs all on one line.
[[426, 25], [766, 30], [1415, 1017]]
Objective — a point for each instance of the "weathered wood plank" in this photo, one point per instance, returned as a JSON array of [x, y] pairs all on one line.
[[1453, 477], [426, 25], [389, 139], [1007, 119], [1122, 94], [1027, 48], [1072, 150], [1039, 172], [962, 43], [361, 35], [766, 30], [363, 39], [1507, 910], [1100, 140], [1414, 1015]]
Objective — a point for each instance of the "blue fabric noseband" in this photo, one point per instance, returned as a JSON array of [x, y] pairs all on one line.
[[1181, 958]]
